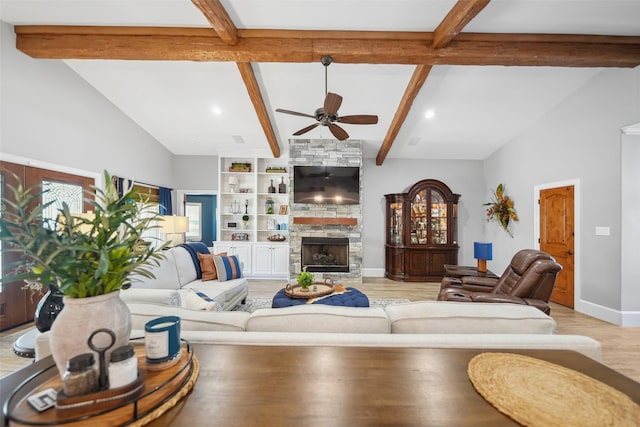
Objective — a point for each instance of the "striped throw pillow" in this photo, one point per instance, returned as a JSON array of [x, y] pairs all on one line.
[[228, 267]]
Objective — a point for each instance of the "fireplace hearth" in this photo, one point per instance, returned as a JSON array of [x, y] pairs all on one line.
[[325, 254]]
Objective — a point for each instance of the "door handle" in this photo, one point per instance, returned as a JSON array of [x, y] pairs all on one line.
[[569, 252]]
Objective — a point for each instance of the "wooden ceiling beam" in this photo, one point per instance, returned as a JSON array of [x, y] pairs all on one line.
[[457, 18], [219, 20], [228, 33], [418, 78], [250, 81], [166, 44]]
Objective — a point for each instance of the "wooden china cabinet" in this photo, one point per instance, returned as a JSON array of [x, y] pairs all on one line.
[[421, 232]]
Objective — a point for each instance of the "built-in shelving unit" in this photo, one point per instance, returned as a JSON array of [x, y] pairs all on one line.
[[253, 207]]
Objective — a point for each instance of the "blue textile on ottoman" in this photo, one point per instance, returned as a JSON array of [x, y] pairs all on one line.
[[354, 298]]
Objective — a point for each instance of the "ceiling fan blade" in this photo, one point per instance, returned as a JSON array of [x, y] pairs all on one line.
[[295, 113], [359, 119], [307, 129], [331, 103], [338, 132]]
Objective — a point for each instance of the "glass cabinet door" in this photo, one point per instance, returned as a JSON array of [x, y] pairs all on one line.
[[395, 226], [419, 229], [438, 218]]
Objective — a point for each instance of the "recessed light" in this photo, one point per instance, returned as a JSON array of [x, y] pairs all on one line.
[[216, 110], [429, 114]]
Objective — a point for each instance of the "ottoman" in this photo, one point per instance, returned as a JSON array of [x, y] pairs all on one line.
[[352, 298]]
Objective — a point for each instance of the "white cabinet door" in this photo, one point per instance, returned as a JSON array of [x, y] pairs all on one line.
[[270, 260], [241, 250], [280, 260], [262, 259]]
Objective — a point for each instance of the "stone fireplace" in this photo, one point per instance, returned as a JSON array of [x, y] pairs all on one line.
[[326, 222], [325, 254]]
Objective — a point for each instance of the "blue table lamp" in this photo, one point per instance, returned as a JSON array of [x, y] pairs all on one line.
[[482, 252]]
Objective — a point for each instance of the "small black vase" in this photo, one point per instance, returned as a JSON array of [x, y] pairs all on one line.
[[48, 308]]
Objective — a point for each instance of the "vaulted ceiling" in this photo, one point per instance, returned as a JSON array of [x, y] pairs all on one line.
[[205, 77]]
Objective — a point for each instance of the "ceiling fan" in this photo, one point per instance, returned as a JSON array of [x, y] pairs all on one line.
[[328, 114]]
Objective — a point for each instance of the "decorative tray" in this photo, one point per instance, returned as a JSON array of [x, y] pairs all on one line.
[[321, 289], [276, 238], [154, 393]]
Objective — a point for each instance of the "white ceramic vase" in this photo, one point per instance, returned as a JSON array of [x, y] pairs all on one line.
[[80, 317]]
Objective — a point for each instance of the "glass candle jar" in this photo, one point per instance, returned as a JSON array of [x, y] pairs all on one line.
[[268, 206]]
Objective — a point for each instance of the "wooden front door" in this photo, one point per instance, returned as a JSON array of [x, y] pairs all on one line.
[[17, 305], [557, 238]]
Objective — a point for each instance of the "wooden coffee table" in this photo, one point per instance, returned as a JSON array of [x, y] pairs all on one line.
[[347, 386]]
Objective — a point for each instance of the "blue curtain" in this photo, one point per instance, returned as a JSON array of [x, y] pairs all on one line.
[[165, 201]]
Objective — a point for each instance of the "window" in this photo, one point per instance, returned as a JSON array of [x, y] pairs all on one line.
[[59, 193], [193, 211]]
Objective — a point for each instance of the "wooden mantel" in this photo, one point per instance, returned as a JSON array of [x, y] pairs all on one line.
[[324, 221]]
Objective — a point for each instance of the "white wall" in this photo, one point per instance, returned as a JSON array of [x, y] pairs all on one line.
[[196, 172], [630, 212], [464, 177], [50, 114], [578, 140]]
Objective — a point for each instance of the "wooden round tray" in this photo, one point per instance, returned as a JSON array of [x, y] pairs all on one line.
[[322, 289], [154, 393]]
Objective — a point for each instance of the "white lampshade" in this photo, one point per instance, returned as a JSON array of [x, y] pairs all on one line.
[[233, 180], [174, 224]]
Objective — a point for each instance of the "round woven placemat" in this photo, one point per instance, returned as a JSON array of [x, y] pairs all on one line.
[[538, 393]]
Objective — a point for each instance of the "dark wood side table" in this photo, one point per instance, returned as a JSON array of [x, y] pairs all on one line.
[[462, 270]]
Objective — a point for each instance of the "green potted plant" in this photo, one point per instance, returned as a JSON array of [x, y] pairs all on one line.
[[88, 257], [304, 279]]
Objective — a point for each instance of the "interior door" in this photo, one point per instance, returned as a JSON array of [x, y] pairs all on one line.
[[557, 238], [17, 305]]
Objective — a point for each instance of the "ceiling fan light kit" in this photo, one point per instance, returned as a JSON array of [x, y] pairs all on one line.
[[327, 115]]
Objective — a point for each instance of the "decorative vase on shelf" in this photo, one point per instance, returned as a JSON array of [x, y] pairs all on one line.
[[282, 187], [83, 316], [272, 188]]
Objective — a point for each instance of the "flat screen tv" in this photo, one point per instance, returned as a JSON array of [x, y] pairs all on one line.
[[338, 185]]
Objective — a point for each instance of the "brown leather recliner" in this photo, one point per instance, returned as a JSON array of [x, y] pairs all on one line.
[[529, 279]]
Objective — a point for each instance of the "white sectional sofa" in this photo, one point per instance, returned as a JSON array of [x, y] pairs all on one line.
[[177, 275], [425, 324]]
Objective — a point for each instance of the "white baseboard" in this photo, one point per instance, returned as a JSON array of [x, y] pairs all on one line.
[[630, 318], [373, 272], [617, 317]]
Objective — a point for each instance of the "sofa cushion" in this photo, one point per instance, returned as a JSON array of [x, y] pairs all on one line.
[[190, 320], [442, 317], [208, 267], [228, 267], [185, 266], [197, 300], [153, 296], [228, 294], [319, 318], [193, 249], [165, 274]]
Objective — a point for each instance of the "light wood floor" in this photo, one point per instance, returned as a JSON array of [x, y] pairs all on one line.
[[620, 346]]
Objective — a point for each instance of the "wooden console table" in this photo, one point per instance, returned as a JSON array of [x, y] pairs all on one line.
[[349, 386]]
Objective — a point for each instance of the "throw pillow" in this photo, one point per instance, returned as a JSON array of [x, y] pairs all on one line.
[[197, 300], [228, 267], [208, 267]]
